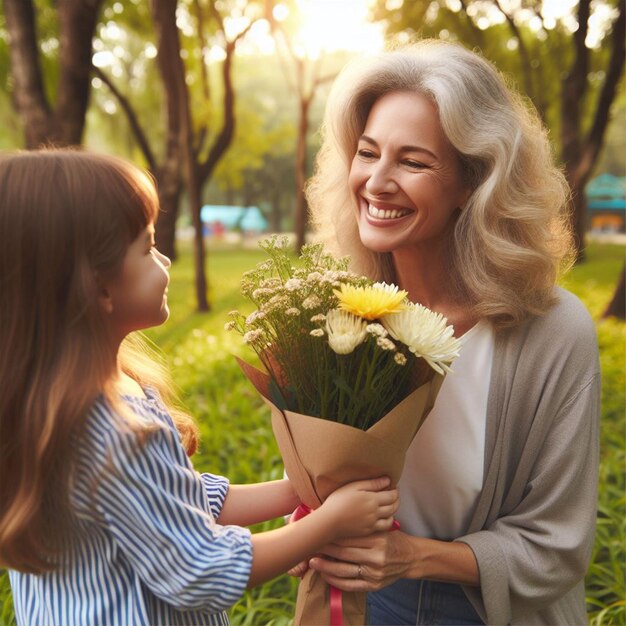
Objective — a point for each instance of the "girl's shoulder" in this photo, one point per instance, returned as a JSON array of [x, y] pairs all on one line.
[[108, 426]]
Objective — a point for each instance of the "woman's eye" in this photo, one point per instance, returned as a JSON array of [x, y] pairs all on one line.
[[414, 164], [366, 154]]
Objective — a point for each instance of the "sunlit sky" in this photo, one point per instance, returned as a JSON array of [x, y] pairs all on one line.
[[327, 25]]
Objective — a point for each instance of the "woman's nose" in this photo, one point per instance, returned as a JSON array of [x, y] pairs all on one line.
[[380, 179]]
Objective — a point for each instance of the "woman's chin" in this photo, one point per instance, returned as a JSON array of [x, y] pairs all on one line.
[[376, 240]]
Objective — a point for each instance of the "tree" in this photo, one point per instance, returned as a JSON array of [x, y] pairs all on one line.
[[571, 80], [201, 151], [62, 122]]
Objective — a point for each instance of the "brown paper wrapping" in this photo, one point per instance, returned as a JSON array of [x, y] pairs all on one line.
[[321, 455]]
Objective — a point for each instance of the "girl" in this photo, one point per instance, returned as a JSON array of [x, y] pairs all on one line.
[[102, 518]]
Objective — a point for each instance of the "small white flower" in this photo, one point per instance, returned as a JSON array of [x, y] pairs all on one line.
[[399, 358], [311, 302], [233, 314], [254, 317], [276, 302], [378, 330], [293, 284], [385, 344], [252, 336], [229, 326], [292, 311], [426, 334], [317, 332], [345, 331], [262, 292], [314, 277], [320, 317]]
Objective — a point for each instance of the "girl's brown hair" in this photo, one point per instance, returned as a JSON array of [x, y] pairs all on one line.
[[66, 220]]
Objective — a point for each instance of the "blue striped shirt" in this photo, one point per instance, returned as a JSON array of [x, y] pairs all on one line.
[[147, 550]]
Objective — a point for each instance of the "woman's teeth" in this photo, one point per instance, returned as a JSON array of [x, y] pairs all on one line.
[[386, 214]]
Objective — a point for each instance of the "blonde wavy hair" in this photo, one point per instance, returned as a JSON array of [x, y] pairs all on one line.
[[66, 221], [512, 237]]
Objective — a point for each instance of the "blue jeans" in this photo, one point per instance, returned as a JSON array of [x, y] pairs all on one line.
[[422, 602]]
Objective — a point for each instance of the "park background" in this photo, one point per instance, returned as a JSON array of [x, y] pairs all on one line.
[[222, 101]]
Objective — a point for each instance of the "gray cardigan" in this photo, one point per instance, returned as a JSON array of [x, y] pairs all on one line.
[[532, 531]]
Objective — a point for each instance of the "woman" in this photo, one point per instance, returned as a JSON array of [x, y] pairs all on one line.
[[434, 175]]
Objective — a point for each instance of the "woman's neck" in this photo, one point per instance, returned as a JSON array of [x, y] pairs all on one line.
[[425, 275]]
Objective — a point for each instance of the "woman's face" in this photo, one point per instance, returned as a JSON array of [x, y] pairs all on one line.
[[405, 176]]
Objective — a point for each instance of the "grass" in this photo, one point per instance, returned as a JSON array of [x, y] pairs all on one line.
[[237, 439]]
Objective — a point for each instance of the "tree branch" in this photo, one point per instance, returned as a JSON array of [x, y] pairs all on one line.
[[133, 120], [523, 50]]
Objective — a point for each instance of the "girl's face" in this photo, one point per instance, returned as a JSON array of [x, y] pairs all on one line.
[[137, 297], [405, 175]]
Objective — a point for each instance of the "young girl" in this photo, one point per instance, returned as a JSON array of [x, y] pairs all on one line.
[[102, 518]]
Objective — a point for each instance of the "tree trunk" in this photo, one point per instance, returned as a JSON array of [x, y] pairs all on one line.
[[43, 125], [300, 218], [29, 95], [617, 306], [199, 254]]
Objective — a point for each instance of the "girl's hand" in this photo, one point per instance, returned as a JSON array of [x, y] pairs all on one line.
[[361, 508], [366, 563]]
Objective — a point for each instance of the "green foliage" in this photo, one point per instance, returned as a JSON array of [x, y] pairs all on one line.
[[237, 439]]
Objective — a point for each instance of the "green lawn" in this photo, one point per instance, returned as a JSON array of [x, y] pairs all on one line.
[[237, 439]]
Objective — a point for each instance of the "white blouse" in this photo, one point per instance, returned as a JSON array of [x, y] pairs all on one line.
[[443, 472]]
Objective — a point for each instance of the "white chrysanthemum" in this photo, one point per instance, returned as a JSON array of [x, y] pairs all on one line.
[[317, 332], [426, 334], [293, 284], [320, 317], [345, 331]]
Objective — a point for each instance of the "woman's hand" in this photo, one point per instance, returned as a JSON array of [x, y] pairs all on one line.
[[361, 508], [367, 563], [371, 563]]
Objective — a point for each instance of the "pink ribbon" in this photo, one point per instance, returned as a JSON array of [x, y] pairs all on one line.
[[336, 595]]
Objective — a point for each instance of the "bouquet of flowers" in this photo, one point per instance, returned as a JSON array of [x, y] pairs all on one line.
[[353, 368]]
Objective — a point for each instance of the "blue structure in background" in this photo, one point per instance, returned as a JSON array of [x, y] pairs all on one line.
[[606, 203], [244, 219]]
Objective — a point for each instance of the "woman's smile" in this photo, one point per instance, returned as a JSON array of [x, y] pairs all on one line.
[[386, 212]]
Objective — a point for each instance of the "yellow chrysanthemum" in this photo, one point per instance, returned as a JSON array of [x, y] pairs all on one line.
[[371, 302]]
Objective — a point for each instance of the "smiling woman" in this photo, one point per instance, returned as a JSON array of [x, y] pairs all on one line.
[[434, 176]]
